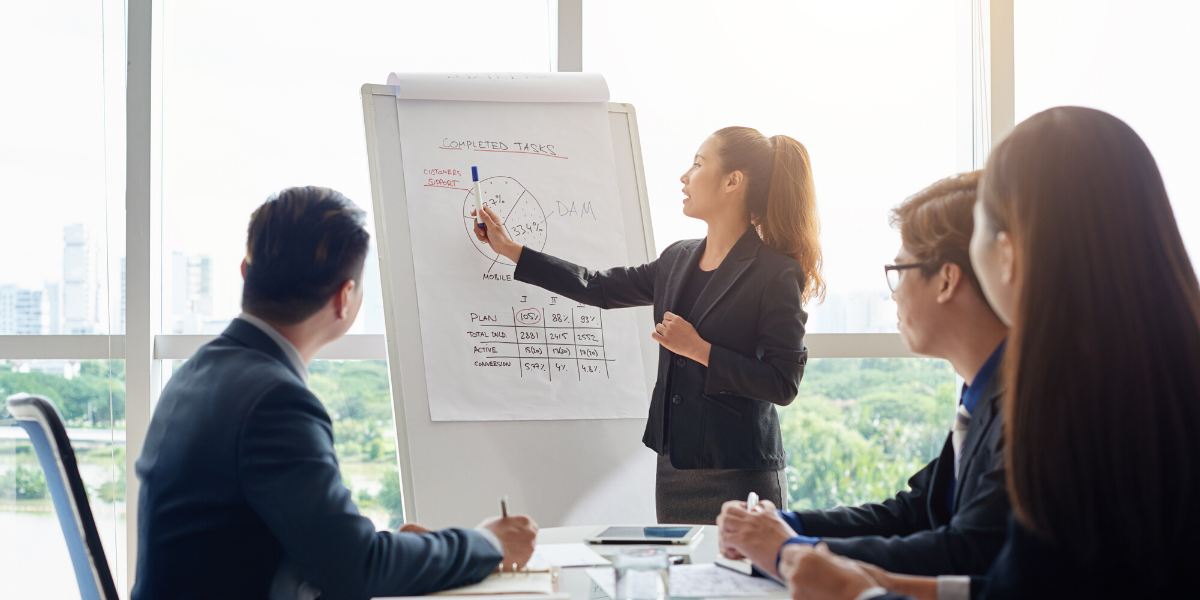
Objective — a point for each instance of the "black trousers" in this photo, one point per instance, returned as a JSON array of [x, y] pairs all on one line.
[[694, 496]]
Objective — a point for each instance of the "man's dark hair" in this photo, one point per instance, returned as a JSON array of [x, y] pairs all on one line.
[[303, 244]]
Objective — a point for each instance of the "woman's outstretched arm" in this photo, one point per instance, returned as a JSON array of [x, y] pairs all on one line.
[[618, 287]]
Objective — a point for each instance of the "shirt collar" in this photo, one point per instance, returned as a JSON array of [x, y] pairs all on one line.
[[972, 393], [288, 349]]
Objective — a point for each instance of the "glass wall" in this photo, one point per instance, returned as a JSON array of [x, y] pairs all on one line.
[[62, 161], [870, 89], [270, 99], [62, 164], [90, 395]]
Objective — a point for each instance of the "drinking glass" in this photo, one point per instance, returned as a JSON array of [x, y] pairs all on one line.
[[642, 573]]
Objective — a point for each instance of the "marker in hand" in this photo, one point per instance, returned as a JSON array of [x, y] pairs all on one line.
[[478, 201], [752, 502]]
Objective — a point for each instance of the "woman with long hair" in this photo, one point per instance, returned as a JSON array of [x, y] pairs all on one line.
[[1077, 248], [729, 314]]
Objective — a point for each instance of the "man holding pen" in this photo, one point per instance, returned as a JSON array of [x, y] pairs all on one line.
[[241, 495], [952, 520]]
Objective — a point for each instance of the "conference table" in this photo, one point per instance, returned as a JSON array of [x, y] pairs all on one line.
[[575, 580]]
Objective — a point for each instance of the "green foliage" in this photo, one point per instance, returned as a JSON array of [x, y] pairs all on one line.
[[23, 483], [390, 499], [358, 398], [111, 491], [352, 389], [83, 399], [359, 439], [861, 427]]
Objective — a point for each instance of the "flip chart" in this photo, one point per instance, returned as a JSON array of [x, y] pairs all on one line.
[[496, 348]]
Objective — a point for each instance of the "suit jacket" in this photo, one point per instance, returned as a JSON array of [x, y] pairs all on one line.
[[722, 416], [238, 473], [1030, 568], [915, 532]]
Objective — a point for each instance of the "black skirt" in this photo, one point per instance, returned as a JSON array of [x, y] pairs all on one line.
[[695, 496]]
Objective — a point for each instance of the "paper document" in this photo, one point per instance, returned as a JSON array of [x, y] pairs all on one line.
[[506, 583], [700, 581], [568, 555]]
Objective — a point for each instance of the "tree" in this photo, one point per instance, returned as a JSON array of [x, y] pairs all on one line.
[[861, 427]]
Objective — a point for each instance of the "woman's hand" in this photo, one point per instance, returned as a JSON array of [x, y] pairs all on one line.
[[757, 535], [496, 236], [818, 574], [678, 336]]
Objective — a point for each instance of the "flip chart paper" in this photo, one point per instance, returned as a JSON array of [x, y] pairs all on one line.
[[495, 348], [502, 87]]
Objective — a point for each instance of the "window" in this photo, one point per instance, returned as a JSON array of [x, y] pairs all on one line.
[[357, 396], [861, 428], [1134, 60], [245, 106], [91, 398], [62, 161], [869, 90], [276, 104]]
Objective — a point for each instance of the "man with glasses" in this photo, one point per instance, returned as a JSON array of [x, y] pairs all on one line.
[[952, 520]]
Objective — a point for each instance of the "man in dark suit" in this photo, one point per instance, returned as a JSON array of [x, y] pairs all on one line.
[[241, 496], [952, 519]]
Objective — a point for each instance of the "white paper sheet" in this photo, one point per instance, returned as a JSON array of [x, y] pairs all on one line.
[[502, 87], [700, 581], [506, 583], [568, 555], [495, 348]]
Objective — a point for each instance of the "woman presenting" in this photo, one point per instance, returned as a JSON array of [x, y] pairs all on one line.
[[729, 318]]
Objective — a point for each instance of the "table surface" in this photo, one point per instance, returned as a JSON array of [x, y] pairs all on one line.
[[576, 582]]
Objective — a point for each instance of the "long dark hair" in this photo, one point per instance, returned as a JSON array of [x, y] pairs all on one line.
[[780, 195], [1103, 407]]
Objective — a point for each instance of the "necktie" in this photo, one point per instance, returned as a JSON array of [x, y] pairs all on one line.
[[958, 432]]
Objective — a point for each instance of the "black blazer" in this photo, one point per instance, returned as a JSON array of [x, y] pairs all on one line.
[[1029, 568], [238, 473], [722, 416], [914, 532]]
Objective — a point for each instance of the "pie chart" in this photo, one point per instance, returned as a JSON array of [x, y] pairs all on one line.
[[519, 211]]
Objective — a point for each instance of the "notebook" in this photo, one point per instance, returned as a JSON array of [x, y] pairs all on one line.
[[537, 579]]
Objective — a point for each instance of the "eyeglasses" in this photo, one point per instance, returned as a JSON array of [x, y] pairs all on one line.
[[892, 272]]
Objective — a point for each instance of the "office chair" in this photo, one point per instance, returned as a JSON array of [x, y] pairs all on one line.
[[41, 420]]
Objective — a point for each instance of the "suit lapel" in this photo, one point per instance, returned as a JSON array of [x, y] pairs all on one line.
[[740, 257], [685, 262], [988, 411], [939, 513]]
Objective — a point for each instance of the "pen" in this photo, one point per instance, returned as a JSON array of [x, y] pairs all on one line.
[[503, 507], [478, 201], [752, 502]]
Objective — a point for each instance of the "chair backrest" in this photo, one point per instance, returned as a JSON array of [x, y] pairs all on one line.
[[41, 420]]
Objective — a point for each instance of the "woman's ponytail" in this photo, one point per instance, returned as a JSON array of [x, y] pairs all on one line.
[[780, 195]]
